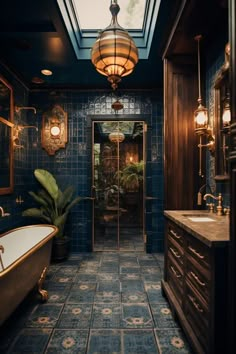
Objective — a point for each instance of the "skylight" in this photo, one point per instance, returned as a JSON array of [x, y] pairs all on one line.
[[95, 15], [84, 18]]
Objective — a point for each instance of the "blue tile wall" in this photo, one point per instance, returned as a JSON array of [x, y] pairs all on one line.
[[72, 165]]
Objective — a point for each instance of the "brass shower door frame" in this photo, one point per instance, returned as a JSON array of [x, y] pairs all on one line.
[[93, 190]]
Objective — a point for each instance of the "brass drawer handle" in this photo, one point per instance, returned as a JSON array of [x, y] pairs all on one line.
[[197, 279], [174, 234], [175, 273], [176, 254], [195, 304], [196, 253]]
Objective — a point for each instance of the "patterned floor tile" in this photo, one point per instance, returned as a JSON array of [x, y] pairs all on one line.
[[68, 341], [132, 270], [136, 316], [162, 316], [85, 278], [75, 316], [132, 285], [104, 342], [134, 297], [154, 292], [58, 292], [130, 276], [106, 316], [108, 286], [107, 297], [172, 341], [83, 292], [139, 342], [31, 341], [44, 316], [108, 277]]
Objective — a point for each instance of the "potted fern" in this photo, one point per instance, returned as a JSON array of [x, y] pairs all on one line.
[[54, 208]]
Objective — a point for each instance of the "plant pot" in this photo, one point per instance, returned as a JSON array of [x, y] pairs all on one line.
[[60, 249]]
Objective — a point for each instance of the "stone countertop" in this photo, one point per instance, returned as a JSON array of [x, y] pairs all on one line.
[[212, 233]]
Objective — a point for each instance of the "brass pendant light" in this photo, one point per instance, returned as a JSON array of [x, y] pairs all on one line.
[[114, 54]]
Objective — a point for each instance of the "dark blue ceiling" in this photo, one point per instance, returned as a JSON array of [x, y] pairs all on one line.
[[33, 37]]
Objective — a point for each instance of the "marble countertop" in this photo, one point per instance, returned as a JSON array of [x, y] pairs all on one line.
[[212, 233]]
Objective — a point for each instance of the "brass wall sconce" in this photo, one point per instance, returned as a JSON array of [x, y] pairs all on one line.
[[54, 130], [201, 118]]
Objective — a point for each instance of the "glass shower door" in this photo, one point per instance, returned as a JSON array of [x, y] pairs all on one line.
[[118, 178]]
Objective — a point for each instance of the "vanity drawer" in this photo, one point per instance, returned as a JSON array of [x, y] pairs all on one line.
[[175, 278], [199, 278], [175, 233], [197, 315], [176, 250], [198, 251]]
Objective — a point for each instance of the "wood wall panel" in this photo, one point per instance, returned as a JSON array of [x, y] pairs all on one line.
[[181, 151]]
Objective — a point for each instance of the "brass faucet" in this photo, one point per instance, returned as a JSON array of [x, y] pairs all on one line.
[[219, 208]]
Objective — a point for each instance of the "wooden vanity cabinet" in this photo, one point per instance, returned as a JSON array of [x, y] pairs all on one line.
[[195, 286]]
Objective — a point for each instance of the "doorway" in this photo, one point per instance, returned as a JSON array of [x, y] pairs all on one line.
[[118, 176]]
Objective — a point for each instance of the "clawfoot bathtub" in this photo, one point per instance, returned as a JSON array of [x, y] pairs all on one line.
[[25, 254]]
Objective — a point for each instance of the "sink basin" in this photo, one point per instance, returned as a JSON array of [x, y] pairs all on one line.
[[200, 218]]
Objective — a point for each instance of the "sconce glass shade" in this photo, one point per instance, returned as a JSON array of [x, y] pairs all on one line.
[[201, 119], [55, 131], [114, 54], [226, 115], [116, 137]]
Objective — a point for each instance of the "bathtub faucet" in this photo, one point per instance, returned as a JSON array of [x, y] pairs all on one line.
[[3, 214]]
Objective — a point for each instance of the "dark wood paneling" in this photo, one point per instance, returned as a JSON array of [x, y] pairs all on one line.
[[181, 152]]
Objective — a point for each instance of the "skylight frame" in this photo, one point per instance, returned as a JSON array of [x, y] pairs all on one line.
[[83, 40]]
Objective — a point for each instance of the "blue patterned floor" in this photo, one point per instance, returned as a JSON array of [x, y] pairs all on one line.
[[99, 303]]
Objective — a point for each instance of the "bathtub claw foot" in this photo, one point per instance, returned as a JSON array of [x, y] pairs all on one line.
[[43, 293]]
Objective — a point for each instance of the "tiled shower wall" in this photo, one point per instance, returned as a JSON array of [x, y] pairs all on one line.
[[72, 165]]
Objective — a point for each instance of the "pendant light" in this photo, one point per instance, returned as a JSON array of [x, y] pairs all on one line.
[[114, 54]]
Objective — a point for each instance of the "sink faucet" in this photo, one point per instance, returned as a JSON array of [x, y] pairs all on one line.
[[219, 209]]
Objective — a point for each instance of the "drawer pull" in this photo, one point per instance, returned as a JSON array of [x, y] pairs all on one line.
[[174, 234], [197, 279], [175, 253], [195, 304], [175, 273], [199, 255]]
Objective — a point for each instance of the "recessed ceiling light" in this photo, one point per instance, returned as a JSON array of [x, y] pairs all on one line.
[[37, 80], [46, 72]]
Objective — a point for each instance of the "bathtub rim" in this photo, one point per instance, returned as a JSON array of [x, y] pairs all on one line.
[[31, 250]]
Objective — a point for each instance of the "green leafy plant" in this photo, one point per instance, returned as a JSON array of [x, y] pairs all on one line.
[[131, 177], [55, 204]]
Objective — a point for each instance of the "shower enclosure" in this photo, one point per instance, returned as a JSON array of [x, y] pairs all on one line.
[[118, 185]]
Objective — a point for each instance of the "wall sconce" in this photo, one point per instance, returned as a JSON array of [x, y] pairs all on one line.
[[54, 130], [201, 118]]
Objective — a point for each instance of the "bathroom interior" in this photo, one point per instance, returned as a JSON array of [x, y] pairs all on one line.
[[179, 212]]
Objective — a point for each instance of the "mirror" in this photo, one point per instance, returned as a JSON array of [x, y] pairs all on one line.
[[6, 149], [222, 119]]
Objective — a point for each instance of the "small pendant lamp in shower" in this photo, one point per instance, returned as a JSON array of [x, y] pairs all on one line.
[[114, 54]]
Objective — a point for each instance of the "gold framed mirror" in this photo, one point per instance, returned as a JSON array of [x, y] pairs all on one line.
[[222, 119], [6, 147]]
